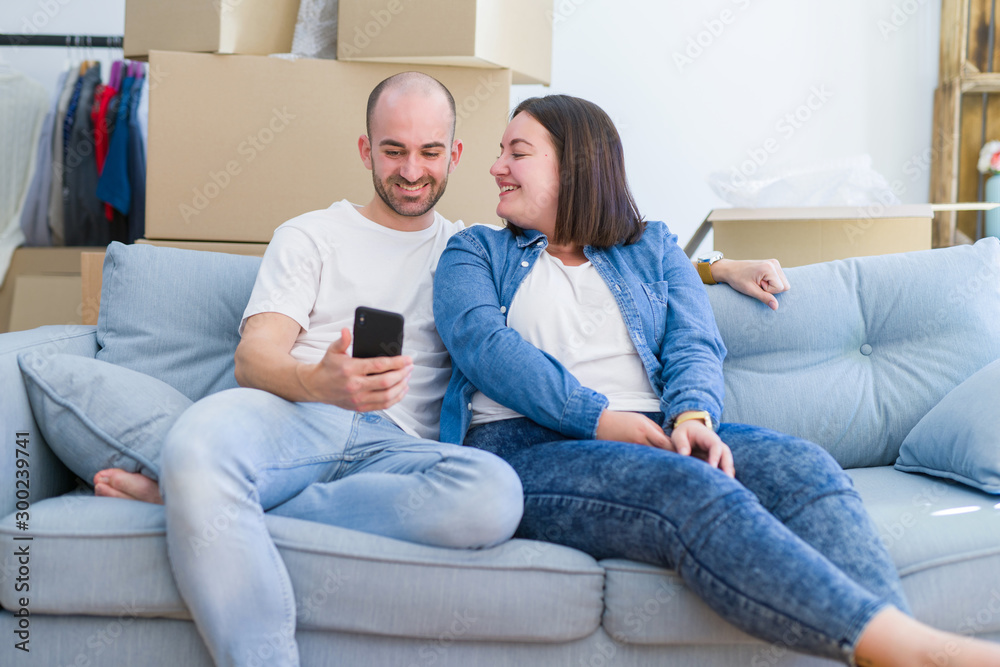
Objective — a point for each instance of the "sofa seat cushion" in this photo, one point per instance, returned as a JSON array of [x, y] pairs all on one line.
[[943, 537], [646, 604], [945, 540], [98, 556], [861, 349]]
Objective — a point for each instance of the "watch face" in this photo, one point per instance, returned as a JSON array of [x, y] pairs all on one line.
[[714, 256]]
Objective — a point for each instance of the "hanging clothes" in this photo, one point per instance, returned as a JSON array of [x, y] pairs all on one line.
[[84, 222], [143, 112], [113, 186], [110, 120], [23, 103], [74, 101], [99, 116], [56, 193], [35, 216], [104, 123], [137, 161]]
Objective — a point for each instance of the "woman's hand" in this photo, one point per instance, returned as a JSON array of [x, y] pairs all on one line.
[[694, 438], [631, 427], [761, 279]]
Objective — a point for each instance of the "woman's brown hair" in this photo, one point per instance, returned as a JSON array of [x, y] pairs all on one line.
[[595, 206]]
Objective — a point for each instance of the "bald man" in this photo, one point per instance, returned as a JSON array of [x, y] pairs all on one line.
[[315, 433]]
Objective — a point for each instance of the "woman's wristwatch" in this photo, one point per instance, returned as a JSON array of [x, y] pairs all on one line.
[[690, 415], [704, 265]]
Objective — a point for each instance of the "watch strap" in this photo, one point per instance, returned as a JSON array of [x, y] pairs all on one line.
[[700, 415], [705, 271]]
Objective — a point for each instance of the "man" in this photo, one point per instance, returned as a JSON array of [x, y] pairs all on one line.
[[312, 432], [306, 411]]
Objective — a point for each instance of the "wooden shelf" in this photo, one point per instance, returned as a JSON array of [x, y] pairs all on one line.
[[966, 113]]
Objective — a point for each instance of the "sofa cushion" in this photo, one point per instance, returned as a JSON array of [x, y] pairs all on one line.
[[945, 541], [173, 314], [95, 415], [94, 556], [48, 476], [960, 437], [646, 604], [861, 349]]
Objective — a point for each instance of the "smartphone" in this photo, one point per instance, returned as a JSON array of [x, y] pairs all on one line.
[[377, 333]]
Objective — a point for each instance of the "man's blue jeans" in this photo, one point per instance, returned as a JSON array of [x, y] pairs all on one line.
[[238, 453], [784, 550]]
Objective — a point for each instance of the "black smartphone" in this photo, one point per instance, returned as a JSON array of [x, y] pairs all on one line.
[[377, 333]]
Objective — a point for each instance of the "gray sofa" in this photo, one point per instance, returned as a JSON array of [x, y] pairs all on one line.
[[857, 354]]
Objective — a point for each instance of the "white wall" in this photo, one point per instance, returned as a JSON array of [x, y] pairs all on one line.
[[681, 119], [876, 60], [58, 17]]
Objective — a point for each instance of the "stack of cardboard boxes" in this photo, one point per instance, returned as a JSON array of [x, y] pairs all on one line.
[[42, 286], [239, 142]]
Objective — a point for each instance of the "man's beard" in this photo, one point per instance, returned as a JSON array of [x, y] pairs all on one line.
[[400, 205]]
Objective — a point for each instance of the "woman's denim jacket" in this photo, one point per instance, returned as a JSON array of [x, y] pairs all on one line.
[[659, 294]]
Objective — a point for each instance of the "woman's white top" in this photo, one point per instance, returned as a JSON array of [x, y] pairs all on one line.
[[570, 313]]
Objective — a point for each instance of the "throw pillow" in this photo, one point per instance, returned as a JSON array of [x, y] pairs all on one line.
[[95, 415], [959, 438], [173, 314]]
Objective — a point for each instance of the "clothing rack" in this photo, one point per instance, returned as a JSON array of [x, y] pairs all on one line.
[[98, 41]]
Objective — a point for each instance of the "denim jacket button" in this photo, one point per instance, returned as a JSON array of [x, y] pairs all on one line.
[[524, 264], [503, 309], [866, 349], [470, 406]]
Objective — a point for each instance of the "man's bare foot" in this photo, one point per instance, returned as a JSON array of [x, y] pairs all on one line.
[[116, 483]]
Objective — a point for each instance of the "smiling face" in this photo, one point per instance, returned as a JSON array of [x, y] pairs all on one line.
[[527, 173], [410, 152]]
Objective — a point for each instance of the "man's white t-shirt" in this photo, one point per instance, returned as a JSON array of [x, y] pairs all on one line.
[[321, 265], [569, 312]]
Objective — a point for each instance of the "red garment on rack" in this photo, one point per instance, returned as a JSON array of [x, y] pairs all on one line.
[[102, 140]]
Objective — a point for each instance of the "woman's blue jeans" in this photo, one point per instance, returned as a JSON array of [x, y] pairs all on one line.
[[784, 550]]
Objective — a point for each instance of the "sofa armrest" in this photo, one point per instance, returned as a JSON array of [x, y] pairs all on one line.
[[47, 476]]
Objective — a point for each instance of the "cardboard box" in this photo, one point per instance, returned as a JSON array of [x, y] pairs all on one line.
[[92, 277], [41, 300], [240, 144], [210, 26], [796, 236], [42, 286], [516, 34]]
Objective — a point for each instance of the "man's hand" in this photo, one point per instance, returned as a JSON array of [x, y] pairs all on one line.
[[760, 279], [631, 427], [356, 384], [694, 438]]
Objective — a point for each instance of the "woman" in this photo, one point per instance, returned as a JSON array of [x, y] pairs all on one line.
[[587, 356]]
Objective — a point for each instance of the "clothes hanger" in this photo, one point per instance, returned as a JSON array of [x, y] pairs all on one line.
[[115, 79], [80, 55]]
